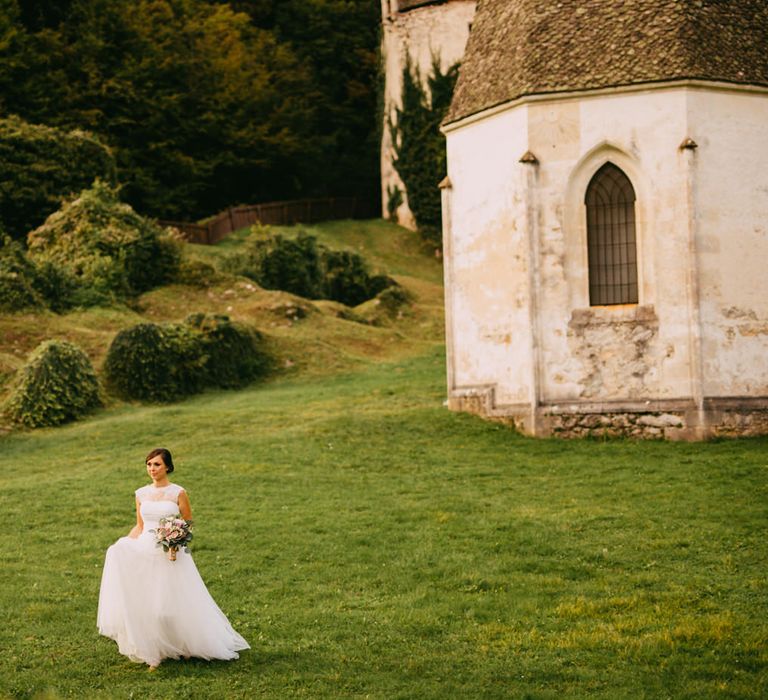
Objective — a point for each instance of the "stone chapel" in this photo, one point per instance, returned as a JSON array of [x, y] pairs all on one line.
[[605, 218]]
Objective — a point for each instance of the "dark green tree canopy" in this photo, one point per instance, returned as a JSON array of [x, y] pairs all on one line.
[[41, 166], [204, 104]]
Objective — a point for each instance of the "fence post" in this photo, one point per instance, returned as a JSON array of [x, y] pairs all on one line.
[[231, 220]]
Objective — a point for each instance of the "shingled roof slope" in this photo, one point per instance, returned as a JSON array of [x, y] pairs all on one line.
[[405, 5], [527, 47]]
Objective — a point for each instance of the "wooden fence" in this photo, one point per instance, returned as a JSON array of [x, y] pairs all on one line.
[[297, 211]]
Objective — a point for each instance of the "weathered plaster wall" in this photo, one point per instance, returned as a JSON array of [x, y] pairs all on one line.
[[438, 30], [517, 245], [612, 352], [731, 196], [486, 260]]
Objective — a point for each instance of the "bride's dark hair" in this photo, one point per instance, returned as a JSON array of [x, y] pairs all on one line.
[[166, 457]]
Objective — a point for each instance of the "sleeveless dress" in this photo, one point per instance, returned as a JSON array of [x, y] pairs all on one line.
[[158, 609]]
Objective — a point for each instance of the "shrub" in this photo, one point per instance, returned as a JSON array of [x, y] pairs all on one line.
[[159, 364], [196, 273], [306, 268], [40, 166], [140, 364], [104, 247], [57, 384], [290, 264], [387, 304], [17, 278], [233, 353], [346, 277], [394, 298], [58, 288]]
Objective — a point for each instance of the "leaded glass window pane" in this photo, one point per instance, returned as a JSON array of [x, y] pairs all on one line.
[[611, 247]]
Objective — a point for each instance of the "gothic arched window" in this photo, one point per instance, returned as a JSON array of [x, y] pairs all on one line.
[[611, 247]]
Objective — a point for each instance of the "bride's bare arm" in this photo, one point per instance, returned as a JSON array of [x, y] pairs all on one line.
[[185, 509], [138, 528]]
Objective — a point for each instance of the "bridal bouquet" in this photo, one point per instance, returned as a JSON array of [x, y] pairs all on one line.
[[173, 533]]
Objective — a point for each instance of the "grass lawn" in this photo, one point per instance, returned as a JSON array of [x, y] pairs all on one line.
[[369, 543]]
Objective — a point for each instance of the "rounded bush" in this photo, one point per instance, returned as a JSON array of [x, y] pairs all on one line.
[[292, 265], [234, 354], [140, 364], [159, 364], [393, 298], [16, 293], [346, 277], [57, 287], [196, 273], [57, 384]]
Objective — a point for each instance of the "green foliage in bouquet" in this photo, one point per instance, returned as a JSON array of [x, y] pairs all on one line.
[[307, 268], [40, 166], [173, 533], [102, 249], [161, 363], [17, 278], [57, 385]]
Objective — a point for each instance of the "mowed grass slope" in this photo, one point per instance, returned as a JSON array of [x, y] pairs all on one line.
[[369, 543]]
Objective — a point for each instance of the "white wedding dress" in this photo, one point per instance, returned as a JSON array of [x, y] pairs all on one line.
[[155, 608]]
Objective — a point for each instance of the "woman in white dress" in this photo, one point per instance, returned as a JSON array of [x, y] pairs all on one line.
[[155, 608]]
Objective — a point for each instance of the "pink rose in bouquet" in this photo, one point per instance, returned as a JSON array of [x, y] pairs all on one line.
[[173, 533]]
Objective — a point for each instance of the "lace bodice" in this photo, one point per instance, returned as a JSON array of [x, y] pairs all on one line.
[[157, 503], [165, 493]]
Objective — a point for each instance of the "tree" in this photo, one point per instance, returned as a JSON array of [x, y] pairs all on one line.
[[203, 105], [419, 146], [202, 109]]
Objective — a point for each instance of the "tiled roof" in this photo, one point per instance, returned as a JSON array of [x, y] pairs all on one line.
[[405, 5], [527, 47]]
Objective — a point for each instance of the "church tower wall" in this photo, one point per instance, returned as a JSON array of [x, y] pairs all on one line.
[[421, 30]]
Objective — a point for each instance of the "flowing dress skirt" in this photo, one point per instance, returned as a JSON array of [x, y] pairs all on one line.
[[158, 609]]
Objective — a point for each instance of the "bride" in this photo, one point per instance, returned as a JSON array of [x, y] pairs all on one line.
[[152, 607]]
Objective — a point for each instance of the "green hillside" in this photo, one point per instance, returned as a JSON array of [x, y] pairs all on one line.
[[320, 342]]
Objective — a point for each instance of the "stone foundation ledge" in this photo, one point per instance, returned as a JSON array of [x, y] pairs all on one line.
[[742, 423], [640, 426], [730, 418]]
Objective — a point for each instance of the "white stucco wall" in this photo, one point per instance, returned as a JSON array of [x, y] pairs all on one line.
[[486, 262], [731, 194], [701, 324], [438, 30]]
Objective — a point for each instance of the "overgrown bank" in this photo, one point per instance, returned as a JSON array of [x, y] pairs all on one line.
[[385, 315]]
